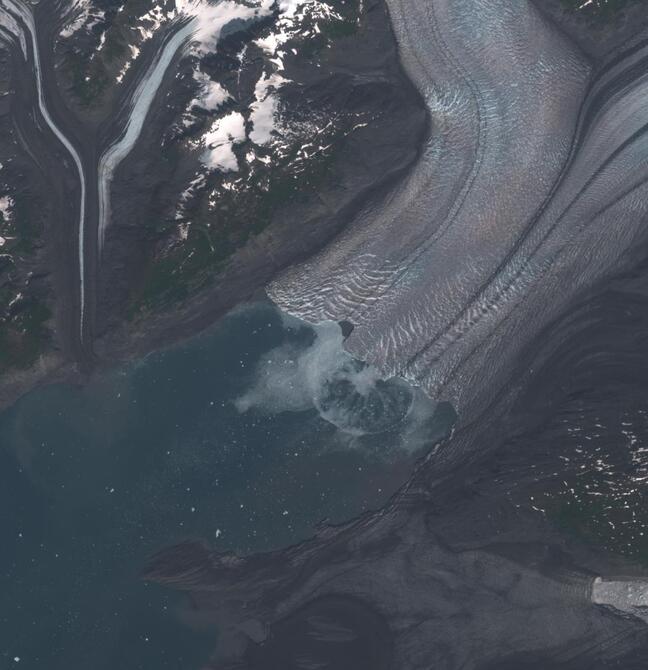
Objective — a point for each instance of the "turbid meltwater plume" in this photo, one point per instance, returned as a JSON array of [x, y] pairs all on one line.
[[530, 188]]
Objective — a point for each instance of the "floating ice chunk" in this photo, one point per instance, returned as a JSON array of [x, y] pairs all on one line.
[[222, 136], [346, 393]]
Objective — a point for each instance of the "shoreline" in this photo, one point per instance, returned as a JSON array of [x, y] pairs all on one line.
[[130, 342]]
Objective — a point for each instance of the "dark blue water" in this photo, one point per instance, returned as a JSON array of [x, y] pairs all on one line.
[[245, 437]]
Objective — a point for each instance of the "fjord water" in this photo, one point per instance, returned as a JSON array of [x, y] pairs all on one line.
[[216, 439]]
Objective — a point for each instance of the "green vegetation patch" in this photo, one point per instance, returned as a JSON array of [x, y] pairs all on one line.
[[23, 314], [92, 71], [244, 204], [601, 496], [615, 523], [23, 333], [213, 236]]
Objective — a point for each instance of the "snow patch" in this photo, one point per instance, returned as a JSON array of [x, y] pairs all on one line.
[[263, 110], [80, 15], [212, 94], [220, 140], [6, 208], [209, 19], [292, 14], [186, 196], [135, 52]]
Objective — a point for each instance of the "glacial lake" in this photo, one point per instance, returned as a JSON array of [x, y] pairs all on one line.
[[244, 437]]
